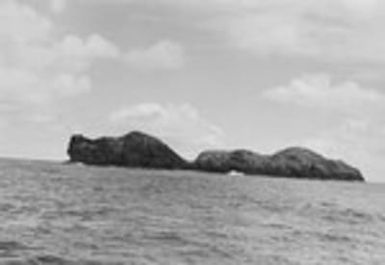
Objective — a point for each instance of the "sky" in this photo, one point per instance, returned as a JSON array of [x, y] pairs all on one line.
[[200, 74]]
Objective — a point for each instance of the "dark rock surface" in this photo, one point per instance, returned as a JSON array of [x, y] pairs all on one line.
[[135, 149], [292, 162]]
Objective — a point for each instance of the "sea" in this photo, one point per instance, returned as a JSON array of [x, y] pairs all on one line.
[[53, 213]]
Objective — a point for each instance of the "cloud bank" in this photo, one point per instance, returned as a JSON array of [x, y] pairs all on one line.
[[318, 91], [36, 67], [336, 31]]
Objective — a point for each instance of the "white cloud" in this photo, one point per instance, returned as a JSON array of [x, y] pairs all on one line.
[[318, 91], [23, 87], [37, 68], [165, 54], [93, 46], [180, 125], [20, 23], [365, 8], [58, 6], [144, 110]]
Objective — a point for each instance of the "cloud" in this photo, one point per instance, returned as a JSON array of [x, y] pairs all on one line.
[[318, 91], [164, 54], [36, 67], [23, 87], [333, 31], [58, 6], [365, 8], [337, 31], [94, 46], [180, 125], [20, 23]]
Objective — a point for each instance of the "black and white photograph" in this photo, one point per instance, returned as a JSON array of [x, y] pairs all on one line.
[[192, 132]]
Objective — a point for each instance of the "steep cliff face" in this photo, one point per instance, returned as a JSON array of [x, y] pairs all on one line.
[[135, 149], [292, 162]]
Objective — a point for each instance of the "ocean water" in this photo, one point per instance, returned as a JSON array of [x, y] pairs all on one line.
[[70, 214]]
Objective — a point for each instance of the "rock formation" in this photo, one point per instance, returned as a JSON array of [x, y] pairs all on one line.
[[137, 149], [292, 162]]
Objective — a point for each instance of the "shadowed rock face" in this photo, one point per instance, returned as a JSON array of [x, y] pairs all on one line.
[[292, 162], [135, 149]]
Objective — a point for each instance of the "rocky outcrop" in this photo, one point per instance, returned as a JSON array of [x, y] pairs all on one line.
[[135, 149], [222, 161], [292, 162]]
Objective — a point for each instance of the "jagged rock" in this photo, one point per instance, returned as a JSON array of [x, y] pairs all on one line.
[[135, 149], [292, 162]]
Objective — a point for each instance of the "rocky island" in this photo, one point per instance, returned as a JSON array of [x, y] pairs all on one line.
[[137, 149]]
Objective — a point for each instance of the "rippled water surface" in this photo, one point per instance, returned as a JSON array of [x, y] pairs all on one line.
[[68, 214]]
